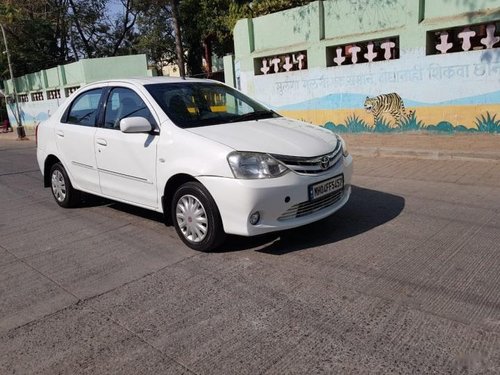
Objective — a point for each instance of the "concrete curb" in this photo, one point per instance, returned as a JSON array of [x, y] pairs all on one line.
[[425, 154]]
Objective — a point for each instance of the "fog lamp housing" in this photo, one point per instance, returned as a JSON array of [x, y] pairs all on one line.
[[254, 218]]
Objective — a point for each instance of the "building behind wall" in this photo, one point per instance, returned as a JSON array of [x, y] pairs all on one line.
[[422, 64], [40, 94]]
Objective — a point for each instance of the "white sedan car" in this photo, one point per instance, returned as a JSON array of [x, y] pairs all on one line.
[[211, 159]]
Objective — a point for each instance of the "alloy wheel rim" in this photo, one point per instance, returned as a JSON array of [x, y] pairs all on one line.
[[192, 218], [58, 186]]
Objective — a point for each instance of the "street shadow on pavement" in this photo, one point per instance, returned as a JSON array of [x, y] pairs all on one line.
[[89, 200], [366, 209]]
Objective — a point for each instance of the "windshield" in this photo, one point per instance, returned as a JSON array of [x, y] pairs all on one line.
[[194, 104]]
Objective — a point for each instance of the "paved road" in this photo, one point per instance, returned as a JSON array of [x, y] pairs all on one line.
[[405, 279]]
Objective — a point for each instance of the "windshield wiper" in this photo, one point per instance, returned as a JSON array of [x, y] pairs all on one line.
[[257, 115]]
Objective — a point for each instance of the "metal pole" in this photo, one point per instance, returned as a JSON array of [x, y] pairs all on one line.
[[21, 134]]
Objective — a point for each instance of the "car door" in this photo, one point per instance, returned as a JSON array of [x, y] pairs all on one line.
[[126, 162], [75, 139]]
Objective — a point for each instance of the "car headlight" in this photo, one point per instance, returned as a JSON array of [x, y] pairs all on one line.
[[345, 151], [252, 165]]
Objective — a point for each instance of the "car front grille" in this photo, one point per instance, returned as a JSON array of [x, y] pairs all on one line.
[[312, 165], [309, 207]]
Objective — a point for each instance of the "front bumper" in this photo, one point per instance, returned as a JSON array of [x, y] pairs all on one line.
[[274, 199]]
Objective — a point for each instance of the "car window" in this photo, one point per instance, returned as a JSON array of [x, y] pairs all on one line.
[[194, 104], [122, 103], [84, 108]]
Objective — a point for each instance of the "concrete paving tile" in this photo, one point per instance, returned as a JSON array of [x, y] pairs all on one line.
[[97, 264], [472, 196], [382, 340], [280, 321], [445, 276], [468, 285], [180, 310], [404, 279], [20, 190], [52, 227], [6, 257], [80, 341], [25, 295], [18, 159]]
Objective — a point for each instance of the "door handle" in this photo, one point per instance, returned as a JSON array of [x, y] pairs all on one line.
[[60, 133], [101, 142]]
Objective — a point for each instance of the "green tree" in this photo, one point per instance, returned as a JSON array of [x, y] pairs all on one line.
[[36, 33], [205, 31], [156, 35], [94, 33], [255, 8]]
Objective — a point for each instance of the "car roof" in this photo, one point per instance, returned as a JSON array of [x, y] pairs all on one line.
[[154, 80]]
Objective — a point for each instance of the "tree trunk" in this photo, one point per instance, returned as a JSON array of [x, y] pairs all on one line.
[[207, 44], [178, 39]]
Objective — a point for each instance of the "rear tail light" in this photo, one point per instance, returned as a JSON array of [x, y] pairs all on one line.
[[36, 134]]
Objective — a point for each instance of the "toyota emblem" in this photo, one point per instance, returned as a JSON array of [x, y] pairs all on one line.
[[324, 162]]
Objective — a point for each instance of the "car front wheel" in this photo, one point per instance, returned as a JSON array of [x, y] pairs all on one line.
[[62, 190], [196, 217]]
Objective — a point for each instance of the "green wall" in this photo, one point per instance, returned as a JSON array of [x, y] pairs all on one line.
[[80, 73], [334, 22], [450, 8]]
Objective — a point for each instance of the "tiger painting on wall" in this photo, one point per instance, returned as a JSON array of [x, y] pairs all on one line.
[[391, 103]]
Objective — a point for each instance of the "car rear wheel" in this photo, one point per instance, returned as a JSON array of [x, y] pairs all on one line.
[[196, 217], [62, 190]]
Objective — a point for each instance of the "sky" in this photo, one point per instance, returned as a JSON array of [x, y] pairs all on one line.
[[115, 7]]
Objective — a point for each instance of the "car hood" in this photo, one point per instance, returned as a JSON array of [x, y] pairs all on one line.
[[274, 136]]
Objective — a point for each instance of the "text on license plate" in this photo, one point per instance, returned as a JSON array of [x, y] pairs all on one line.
[[326, 187]]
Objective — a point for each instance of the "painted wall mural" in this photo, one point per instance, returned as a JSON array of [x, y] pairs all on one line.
[[390, 103], [458, 92], [33, 112]]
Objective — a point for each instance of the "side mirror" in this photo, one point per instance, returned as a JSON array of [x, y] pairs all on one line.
[[135, 125]]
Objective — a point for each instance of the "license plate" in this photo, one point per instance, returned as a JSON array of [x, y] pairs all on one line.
[[326, 187]]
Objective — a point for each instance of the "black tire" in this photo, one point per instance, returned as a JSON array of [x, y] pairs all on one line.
[[62, 189], [201, 228]]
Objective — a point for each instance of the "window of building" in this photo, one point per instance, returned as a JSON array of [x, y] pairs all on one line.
[[70, 90], [464, 38], [37, 96], [22, 98], [54, 94], [281, 63], [363, 52]]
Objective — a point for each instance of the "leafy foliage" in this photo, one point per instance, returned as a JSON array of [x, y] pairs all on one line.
[[205, 31], [45, 33], [411, 123], [156, 35], [383, 126], [36, 35], [93, 33], [488, 123], [355, 125]]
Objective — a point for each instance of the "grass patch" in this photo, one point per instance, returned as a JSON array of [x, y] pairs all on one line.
[[411, 123], [488, 123]]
